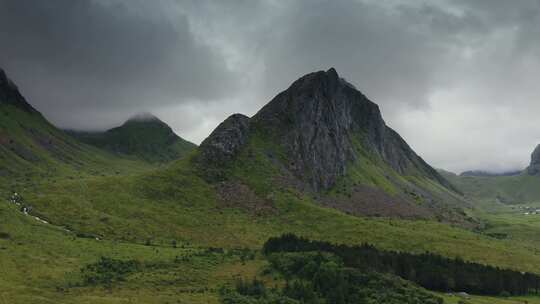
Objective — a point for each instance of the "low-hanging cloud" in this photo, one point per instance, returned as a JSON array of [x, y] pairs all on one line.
[[456, 78], [79, 57]]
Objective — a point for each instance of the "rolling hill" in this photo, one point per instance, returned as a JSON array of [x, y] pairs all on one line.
[[144, 136], [32, 148]]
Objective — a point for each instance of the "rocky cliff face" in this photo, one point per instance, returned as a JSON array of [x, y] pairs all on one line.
[[226, 140], [534, 167], [321, 121]]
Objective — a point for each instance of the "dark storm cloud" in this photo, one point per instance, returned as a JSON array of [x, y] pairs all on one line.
[[76, 57], [386, 52], [457, 78]]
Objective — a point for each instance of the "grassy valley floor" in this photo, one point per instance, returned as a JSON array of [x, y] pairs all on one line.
[[188, 245]]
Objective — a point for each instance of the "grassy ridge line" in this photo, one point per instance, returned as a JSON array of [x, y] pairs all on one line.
[[149, 139], [32, 150]]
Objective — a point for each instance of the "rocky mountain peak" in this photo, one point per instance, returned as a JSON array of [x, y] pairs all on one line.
[[534, 167], [9, 93], [325, 125], [226, 140], [323, 120]]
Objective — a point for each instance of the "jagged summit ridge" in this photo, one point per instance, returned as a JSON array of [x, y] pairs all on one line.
[[322, 121]]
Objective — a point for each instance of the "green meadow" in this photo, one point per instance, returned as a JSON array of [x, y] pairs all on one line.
[[188, 245]]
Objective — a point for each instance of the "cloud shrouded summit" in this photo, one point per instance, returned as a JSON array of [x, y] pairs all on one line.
[[88, 64], [456, 78]]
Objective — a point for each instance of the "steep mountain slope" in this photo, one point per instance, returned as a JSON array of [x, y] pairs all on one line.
[[318, 120], [143, 135], [323, 136], [32, 147]]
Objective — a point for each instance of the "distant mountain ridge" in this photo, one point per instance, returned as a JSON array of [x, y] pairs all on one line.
[[490, 174], [514, 187], [143, 135]]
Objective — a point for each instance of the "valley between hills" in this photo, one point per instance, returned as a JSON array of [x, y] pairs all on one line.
[[272, 208]]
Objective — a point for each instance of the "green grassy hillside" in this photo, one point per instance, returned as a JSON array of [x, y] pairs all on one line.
[[516, 189], [507, 205], [144, 136], [143, 217], [34, 150]]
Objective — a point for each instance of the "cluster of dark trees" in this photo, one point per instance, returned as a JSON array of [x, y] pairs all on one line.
[[322, 278], [107, 271], [428, 270]]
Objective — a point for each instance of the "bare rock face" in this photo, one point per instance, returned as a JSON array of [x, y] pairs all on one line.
[[226, 140], [9, 94], [534, 167], [312, 118], [321, 121]]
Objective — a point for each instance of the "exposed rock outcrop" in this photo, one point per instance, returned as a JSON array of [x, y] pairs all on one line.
[[226, 140], [534, 167], [322, 119]]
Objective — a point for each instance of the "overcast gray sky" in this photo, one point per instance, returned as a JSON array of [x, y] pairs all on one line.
[[457, 79]]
